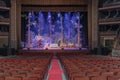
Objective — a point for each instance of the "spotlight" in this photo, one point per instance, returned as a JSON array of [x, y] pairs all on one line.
[[59, 15]]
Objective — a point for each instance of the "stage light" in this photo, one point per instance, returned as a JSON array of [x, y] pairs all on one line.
[[29, 14], [78, 15], [49, 15], [59, 15]]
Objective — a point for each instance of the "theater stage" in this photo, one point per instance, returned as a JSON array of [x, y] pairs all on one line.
[[55, 50]]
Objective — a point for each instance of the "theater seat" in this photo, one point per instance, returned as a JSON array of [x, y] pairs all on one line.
[[13, 78], [114, 77], [31, 78], [99, 78], [81, 78], [2, 78]]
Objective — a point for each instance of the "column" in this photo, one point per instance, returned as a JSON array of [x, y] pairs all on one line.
[[90, 24], [50, 22], [29, 15], [18, 23], [13, 27], [79, 40], [61, 30], [94, 23]]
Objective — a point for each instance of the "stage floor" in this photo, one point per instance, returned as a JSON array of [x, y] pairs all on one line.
[[55, 49]]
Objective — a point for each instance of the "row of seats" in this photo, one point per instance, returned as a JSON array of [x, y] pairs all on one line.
[[35, 54], [24, 67], [86, 67]]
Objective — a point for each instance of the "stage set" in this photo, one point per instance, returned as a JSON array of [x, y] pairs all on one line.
[[54, 31]]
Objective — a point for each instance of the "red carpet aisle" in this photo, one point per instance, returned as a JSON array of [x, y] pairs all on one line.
[[55, 72]]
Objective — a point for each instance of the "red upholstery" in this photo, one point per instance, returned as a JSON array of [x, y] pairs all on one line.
[[24, 67], [114, 77], [99, 78], [78, 67]]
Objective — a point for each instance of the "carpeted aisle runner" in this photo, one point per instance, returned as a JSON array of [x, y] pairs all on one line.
[[55, 72]]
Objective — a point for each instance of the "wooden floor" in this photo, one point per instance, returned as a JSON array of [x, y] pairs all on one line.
[[54, 51]]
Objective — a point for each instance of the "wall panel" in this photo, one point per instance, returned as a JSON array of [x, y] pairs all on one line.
[[54, 2], [58, 8]]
